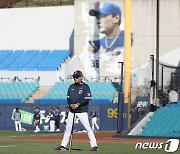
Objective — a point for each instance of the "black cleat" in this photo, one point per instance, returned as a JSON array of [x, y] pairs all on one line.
[[61, 148]]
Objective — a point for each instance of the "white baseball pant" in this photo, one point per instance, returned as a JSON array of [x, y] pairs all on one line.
[[18, 123], [94, 122], [52, 125], [83, 117]]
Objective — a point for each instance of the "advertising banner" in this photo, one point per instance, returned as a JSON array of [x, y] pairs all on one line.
[[106, 115]]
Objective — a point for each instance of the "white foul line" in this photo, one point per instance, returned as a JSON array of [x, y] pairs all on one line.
[[7, 146]]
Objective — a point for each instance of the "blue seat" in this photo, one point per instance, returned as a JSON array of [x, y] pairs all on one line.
[[44, 60], [100, 93], [17, 90], [163, 122]]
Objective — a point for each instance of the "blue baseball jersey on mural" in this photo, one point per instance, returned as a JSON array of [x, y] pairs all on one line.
[[104, 58], [111, 44]]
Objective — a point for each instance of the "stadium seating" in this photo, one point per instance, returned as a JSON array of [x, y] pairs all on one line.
[[102, 92], [15, 92], [164, 122], [30, 60]]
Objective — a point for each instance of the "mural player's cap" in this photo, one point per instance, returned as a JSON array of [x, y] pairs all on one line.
[[77, 73], [105, 9]]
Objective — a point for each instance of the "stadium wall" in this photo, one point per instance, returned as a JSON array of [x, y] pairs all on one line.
[[36, 28], [107, 114], [47, 78]]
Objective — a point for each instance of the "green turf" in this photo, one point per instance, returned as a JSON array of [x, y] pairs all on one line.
[[47, 147], [13, 133]]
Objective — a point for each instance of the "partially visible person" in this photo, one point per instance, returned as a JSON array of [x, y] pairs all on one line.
[[173, 96], [66, 115], [154, 101], [94, 117], [52, 120], [163, 98], [140, 111], [134, 115], [153, 92], [17, 117], [57, 119], [37, 119]]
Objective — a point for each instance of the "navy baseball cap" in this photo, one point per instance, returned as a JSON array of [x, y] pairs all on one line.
[[77, 73], [105, 9]]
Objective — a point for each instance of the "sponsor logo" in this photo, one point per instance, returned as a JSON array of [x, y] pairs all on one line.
[[170, 146], [80, 91], [142, 104]]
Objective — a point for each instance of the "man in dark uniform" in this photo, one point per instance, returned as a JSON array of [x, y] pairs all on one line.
[[78, 98], [57, 119], [37, 119], [52, 120], [66, 115], [94, 118]]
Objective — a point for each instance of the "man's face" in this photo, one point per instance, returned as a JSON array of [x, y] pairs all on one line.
[[106, 23], [77, 79]]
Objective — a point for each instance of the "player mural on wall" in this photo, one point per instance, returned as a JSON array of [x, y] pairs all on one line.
[[107, 49]]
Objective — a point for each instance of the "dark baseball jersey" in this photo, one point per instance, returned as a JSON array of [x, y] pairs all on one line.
[[79, 93], [57, 116], [36, 116], [52, 115], [93, 114]]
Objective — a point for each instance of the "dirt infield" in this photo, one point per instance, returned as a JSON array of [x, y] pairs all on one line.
[[102, 137]]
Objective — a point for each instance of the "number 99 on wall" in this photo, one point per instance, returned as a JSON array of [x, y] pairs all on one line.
[[112, 113]]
